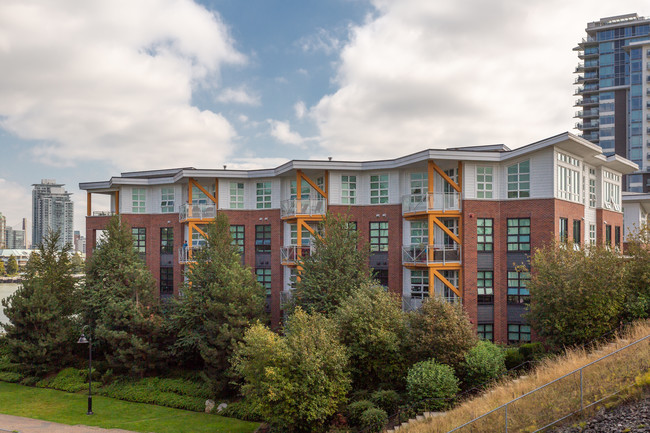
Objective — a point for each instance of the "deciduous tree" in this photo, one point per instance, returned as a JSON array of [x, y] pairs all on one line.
[[12, 266]]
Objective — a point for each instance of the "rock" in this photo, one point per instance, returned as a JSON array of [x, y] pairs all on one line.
[[209, 405], [221, 407]]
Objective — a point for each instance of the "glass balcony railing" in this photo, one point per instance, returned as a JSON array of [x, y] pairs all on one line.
[[433, 201], [290, 254], [197, 211], [186, 254], [102, 213], [430, 254], [305, 207]]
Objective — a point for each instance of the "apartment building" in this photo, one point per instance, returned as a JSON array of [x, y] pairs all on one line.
[[614, 90], [454, 223], [52, 209]]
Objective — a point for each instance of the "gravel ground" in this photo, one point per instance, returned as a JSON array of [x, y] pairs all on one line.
[[631, 417]]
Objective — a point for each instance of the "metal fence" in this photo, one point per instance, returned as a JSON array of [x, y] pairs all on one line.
[[567, 395]]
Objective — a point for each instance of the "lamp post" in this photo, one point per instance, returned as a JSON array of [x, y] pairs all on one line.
[[89, 342]]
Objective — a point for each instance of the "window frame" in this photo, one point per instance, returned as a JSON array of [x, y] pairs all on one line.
[[167, 199], [166, 285], [520, 331], [379, 241], [419, 279], [139, 200], [485, 298], [517, 293], [236, 194], [518, 179], [139, 235], [263, 236], [483, 332], [166, 240], [379, 188], [482, 243], [263, 195], [518, 244], [484, 182], [348, 189], [238, 236], [264, 278]]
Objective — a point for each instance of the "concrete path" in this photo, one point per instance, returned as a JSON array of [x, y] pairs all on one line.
[[10, 423]]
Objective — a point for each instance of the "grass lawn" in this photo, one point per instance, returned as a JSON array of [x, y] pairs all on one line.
[[66, 408]]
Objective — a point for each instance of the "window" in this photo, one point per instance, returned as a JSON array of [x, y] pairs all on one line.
[[237, 234], [352, 227], [564, 229], [485, 331], [452, 225], [419, 183], [166, 281], [305, 190], [419, 233], [568, 183], [517, 287], [167, 200], [166, 240], [612, 191], [617, 236], [483, 182], [293, 278], [197, 238], [608, 235], [518, 234], [518, 333], [485, 287], [306, 236], [379, 236], [236, 195], [139, 239], [379, 189], [484, 234], [263, 238], [519, 180], [348, 189], [419, 284], [139, 200], [592, 234], [592, 192], [199, 197], [263, 194], [264, 278], [577, 233], [381, 275]]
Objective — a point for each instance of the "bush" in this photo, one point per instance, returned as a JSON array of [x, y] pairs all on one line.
[[483, 363], [8, 376], [179, 386], [243, 410], [373, 420], [30, 381], [431, 385], [356, 409], [513, 357], [388, 400], [69, 380], [141, 392], [532, 351]]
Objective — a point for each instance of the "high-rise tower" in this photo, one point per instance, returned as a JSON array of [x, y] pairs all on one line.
[[51, 209], [614, 91]]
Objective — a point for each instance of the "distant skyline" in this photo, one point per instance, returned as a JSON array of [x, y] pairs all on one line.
[[89, 90]]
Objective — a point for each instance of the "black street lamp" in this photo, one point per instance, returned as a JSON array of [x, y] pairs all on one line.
[[89, 342]]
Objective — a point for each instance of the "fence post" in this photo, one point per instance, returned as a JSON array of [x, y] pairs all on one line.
[[581, 392], [506, 417]]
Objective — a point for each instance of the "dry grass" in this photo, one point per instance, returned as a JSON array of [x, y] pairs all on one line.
[[556, 400]]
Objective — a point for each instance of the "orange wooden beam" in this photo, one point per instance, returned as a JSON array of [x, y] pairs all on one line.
[[313, 185], [445, 177], [89, 203]]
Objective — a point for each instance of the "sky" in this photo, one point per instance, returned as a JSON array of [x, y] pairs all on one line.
[[89, 90]]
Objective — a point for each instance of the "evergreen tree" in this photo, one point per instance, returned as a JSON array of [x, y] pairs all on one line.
[[336, 267], [3, 272], [220, 300], [12, 266], [42, 328], [121, 304]]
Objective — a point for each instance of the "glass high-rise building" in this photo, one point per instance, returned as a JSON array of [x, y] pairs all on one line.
[[52, 209], [614, 91]]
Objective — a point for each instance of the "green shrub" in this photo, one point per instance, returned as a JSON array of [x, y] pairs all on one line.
[[69, 380], [356, 409], [179, 386], [388, 400], [30, 381], [513, 357], [431, 385], [532, 351], [483, 363], [243, 410], [373, 420], [8, 376], [149, 391]]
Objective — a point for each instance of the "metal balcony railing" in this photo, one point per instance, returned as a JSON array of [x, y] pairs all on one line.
[[305, 207], [285, 298], [102, 213], [186, 254], [290, 254], [197, 211], [429, 254], [433, 201]]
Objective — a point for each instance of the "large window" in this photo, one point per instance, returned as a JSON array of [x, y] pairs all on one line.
[[139, 239], [577, 232], [381, 275], [379, 189], [564, 229], [518, 333], [485, 287], [419, 183], [518, 234], [484, 182], [263, 238], [592, 234], [519, 180], [264, 278], [306, 236], [263, 195], [139, 202], [568, 183], [348, 189], [485, 331], [608, 235], [199, 197], [518, 287], [305, 190], [612, 191], [617, 236], [484, 234], [419, 233], [592, 192], [237, 234], [419, 284], [236, 195], [166, 240], [379, 236], [166, 281], [167, 200]]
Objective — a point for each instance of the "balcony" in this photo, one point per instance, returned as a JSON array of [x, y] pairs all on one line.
[[185, 254], [303, 207], [291, 254], [413, 304], [103, 213], [197, 212], [431, 202], [285, 298], [430, 254]]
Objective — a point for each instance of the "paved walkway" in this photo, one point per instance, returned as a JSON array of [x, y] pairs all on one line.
[[10, 423]]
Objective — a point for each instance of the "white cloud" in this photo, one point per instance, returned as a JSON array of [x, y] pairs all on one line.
[[434, 74], [238, 96], [282, 132], [300, 109], [113, 80], [322, 41]]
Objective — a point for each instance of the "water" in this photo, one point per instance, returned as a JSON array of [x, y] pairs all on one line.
[[6, 289]]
